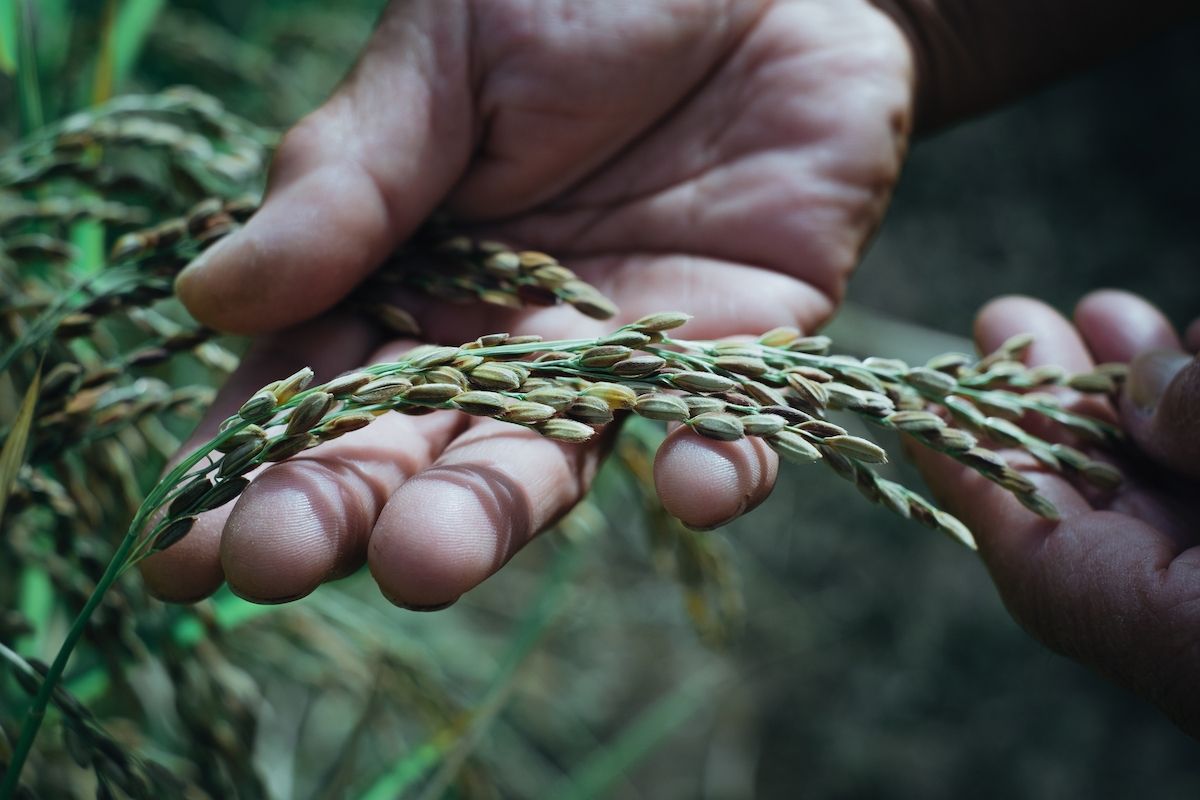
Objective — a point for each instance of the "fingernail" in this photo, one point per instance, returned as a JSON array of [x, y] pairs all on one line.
[[415, 607], [1150, 374], [269, 601], [435, 607]]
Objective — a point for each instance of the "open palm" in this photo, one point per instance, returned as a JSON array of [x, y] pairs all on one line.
[[728, 159]]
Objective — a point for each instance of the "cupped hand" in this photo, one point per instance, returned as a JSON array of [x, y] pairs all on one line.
[[727, 159], [1116, 583]]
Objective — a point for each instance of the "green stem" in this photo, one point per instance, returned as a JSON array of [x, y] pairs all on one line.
[[29, 90], [116, 566], [66, 304], [38, 712], [17, 662]]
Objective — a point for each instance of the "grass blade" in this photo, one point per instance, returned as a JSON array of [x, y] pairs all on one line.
[[8, 37], [450, 747], [67, 302], [598, 774], [133, 26], [125, 34], [29, 90], [102, 84], [12, 457]]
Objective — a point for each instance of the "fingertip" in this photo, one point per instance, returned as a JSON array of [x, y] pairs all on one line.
[[1055, 339], [444, 532], [281, 539], [1118, 325], [312, 241], [190, 570], [706, 483], [995, 317], [1160, 407]]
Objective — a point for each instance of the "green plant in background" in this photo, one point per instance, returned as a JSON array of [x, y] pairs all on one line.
[[104, 373]]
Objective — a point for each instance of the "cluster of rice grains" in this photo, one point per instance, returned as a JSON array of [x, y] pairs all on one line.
[[778, 388], [449, 266], [160, 179]]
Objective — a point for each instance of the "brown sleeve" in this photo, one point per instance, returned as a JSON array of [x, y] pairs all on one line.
[[973, 55]]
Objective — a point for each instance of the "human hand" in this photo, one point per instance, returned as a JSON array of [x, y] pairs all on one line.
[[1116, 583], [725, 159]]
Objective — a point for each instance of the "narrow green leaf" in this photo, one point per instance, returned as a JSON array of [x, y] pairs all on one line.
[[35, 595], [88, 236], [129, 33], [54, 21], [122, 35], [595, 778], [451, 746], [102, 81], [12, 457], [119, 279], [8, 37], [29, 90]]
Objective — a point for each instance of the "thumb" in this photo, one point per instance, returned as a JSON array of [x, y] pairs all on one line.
[[1161, 408], [350, 180]]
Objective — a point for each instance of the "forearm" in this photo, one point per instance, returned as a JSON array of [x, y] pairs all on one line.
[[973, 55]]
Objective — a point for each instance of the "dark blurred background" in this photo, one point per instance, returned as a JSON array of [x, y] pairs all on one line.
[[1089, 183]]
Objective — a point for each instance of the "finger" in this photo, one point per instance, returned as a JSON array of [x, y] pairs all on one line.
[[1106, 589], [1055, 340], [965, 491], [1161, 405], [1162, 394], [706, 483], [1119, 325], [307, 520], [350, 180], [191, 570], [453, 525]]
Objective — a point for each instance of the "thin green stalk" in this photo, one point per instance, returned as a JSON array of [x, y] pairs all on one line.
[[29, 90], [37, 713], [17, 662], [102, 85], [451, 746], [116, 566], [597, 775], [8, 37], [133, 25], [48, 320], [36, 601]]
